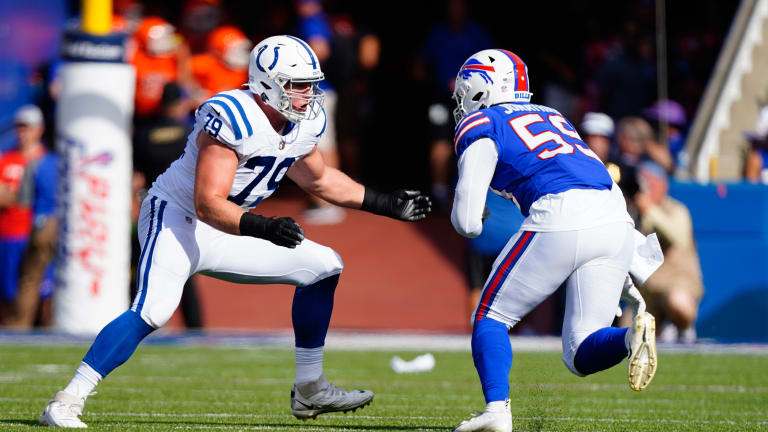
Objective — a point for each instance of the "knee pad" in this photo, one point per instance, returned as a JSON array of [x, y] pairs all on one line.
[[338, 265], [568, 361], [571, 345], [328, 264], [157, 314]]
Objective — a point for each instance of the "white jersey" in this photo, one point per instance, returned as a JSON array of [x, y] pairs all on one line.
[[235, 119]]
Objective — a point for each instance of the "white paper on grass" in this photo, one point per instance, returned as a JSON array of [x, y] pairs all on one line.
[[422, 363]]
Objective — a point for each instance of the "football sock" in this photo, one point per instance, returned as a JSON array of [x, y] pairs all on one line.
[[116, 342], [84, 381], [602, 349], [492, 354], [497, 406], [311, 312], [309, 364]]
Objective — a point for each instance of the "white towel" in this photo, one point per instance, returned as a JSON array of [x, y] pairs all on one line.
[[647, 257]]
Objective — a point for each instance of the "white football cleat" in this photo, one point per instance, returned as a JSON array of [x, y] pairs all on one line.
[[642, 351], [63, 410], [310, 399], [488, 421]]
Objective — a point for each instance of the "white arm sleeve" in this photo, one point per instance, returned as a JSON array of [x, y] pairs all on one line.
[[476, 167]]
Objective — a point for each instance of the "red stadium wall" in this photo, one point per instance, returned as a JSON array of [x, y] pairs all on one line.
[[397, 276]]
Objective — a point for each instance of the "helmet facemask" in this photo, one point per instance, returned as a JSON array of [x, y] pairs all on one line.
[[314, 98], [466, 105]]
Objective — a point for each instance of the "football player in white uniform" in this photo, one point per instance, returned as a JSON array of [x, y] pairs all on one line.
[[196, 219]]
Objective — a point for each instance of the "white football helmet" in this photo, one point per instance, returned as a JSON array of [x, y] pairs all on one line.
[[488, 78], [280, 60]]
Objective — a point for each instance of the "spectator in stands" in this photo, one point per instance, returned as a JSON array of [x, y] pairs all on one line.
[[225, 65], [160, 58], [446, 48], [354, 71], [756, 165], [160, 139], [597, 131], [626, 79], [350, 56], [632, 137], [199, 18], [314, 27], [16, 219], [673, 292], [671, 155], [127, 15], [36, 280]]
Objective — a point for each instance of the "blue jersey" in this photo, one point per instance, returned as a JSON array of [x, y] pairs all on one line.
[[540, 152]]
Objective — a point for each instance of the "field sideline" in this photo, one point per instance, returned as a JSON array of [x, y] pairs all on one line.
[[169, 386]]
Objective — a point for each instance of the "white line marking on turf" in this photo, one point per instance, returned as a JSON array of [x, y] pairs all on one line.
[[287, 382], [422, 418], [351, 340]]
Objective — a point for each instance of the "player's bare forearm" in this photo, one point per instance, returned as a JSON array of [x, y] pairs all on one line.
[[219, 213], [332, 185], [214, 174], [338, 188], [315, 177]]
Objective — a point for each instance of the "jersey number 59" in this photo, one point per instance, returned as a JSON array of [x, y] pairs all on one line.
[[520, 126]]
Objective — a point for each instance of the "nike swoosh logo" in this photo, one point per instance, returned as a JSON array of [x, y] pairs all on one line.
[[310, 406]]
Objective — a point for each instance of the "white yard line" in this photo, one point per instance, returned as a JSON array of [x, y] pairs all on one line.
[[353, 340], [419, 418]]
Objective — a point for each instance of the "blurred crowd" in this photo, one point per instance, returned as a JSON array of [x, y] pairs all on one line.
[[389, 80]]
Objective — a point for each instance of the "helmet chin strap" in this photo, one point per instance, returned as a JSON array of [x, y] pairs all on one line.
[[277, 119]]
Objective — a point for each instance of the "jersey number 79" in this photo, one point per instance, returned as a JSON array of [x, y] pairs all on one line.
[[266, 163]]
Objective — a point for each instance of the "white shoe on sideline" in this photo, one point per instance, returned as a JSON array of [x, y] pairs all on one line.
[[63, 410], [488, 421], [311, 399], [688, 335], [669, 333], [323, 215], [642, 351]]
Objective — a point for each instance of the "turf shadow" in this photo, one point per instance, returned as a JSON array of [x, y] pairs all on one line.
[[16, 422], [297, 426]]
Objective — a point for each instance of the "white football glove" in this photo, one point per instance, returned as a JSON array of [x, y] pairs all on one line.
[[631, 295]]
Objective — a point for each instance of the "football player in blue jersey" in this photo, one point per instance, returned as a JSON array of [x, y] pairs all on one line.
[[576, 230], [196, 219]]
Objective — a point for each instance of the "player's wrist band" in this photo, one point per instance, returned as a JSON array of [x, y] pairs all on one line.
[[253, 225], [374, 202]]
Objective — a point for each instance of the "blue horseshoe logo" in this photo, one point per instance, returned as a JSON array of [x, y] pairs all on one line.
[[258, 56]]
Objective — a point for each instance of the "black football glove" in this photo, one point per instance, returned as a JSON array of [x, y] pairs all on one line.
[[282, 231], [406, 205]]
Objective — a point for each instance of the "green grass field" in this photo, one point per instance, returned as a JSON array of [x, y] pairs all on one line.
[[222, 389]]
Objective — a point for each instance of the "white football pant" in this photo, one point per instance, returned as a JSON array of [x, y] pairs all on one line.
[[174, 246], [593, 262]]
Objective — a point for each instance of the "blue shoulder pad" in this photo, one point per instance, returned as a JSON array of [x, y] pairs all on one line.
[[471, 128]]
